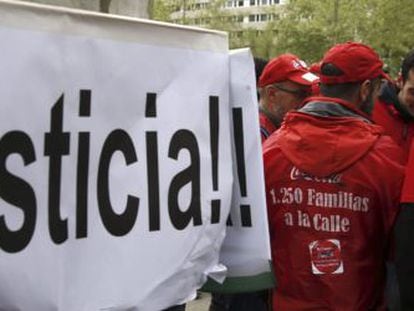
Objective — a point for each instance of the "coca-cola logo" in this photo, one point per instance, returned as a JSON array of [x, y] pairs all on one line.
[[326, 257], [296, 174]]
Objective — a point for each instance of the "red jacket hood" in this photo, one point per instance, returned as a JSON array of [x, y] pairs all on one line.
[[322, 146]]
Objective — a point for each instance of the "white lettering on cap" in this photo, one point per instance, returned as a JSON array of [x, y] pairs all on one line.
[[310, 77], [298, 63]]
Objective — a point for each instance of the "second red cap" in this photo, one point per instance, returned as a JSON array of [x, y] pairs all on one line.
[[357, 61], [286, 67]]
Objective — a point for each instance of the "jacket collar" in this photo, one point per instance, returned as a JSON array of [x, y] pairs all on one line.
[[333, 107]]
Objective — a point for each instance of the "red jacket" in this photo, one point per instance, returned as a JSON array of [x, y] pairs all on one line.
[[266, 126], [389, 113], [332, 186], [407, 195]]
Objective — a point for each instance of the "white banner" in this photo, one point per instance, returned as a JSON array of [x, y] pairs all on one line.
[[246, 248], [115, 165]]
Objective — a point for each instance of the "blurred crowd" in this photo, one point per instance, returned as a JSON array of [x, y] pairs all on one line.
[[339, 174]]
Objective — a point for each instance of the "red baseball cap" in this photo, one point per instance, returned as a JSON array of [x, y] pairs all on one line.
[[286, 67], [315, 68], [357, 61]]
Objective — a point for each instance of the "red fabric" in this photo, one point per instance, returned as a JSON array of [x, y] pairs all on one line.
[[336, 152], [286, 67], [315, 89], [342, 102], [390, 119], [315, 68], [266, 126], [407, 195], [332, 187], [357, 61]]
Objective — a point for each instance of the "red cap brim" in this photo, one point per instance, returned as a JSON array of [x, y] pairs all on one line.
[[306, 79]]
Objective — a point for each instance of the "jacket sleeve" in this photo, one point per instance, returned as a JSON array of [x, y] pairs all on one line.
[[404, 255], [407, 194]]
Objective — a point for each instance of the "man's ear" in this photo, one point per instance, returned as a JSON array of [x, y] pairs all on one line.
[[365, 90], [399, 83]]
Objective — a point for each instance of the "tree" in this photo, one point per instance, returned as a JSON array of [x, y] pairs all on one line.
[[218, 18], [309, 27], [390, 32], [188, 12], [160, 10]]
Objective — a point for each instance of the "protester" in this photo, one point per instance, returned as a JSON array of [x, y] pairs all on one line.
[[283, 85], [405, 239], [394, 109], [333, 182]]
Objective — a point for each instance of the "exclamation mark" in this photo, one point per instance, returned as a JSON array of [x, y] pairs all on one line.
[[246, 218], [151, 105], [214, 140]]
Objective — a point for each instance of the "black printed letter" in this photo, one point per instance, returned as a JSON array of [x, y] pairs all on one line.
[[184, 139], [56, 145], [117, 225], [17, 192]]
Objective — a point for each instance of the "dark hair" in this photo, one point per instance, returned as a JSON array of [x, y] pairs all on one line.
[[342, 90], [407, 65], [259, 64], [330, 70]]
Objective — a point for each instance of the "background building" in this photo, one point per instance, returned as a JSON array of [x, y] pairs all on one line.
[[272, 27], [243, 13], [251, 23]]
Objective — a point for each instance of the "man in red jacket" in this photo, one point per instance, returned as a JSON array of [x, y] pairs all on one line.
[[333, 183], [404, 234], [283, 85], [394, 109]]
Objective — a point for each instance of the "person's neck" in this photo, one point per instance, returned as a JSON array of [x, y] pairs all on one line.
[[276, 121]]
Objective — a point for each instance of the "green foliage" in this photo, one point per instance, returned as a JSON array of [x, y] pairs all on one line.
[[390, 31], [309, 27], [161, 10], [217, 18]]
